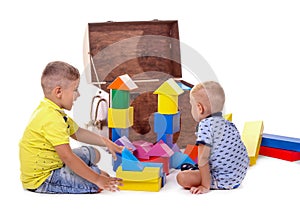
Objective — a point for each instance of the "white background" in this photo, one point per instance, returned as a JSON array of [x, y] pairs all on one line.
[[252, 46]]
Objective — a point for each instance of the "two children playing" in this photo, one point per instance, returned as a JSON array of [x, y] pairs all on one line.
[[50, 165]]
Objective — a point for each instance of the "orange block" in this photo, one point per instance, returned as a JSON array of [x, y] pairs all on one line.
[[192, 152]]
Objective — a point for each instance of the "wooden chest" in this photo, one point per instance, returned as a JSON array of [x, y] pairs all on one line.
[[149, 52]]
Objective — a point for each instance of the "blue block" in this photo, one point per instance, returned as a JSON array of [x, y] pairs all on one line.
[[117, 133], [166, 123], [163, 179], [179, 158], [281, 142], [183, 86], [130, 162], [166, 138], [116, 163]]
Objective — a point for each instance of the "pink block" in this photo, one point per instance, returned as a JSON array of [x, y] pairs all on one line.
[[161, 149], [142, 149]]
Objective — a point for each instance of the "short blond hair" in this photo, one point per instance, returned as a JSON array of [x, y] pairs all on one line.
[[214, 93], [58, 73]]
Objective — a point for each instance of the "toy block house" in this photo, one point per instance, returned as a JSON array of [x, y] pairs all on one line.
[[120, 114], [167, 117], [168, 94]]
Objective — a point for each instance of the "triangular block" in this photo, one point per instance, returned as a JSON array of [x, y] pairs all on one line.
[[124, 141], [169, 87], [228, 117], [161, 149], [179, 158], [130, 162], [123, 82], [192, 152]]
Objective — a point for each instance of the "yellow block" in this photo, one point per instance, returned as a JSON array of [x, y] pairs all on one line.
[[252, 136], [147, 180], [169, 87], [228, 117], [120, 118], [150, 185], [167, 104]]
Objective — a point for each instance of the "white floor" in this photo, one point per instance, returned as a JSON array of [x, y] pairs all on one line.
[[271, 186]]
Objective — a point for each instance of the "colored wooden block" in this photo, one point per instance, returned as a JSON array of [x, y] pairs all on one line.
[[192, 151], [153, 185], [156, 165], [167, 138], [252, 138], [183, 86], [166, 123], [116, 163], [163, 180], [279, 153], [124, 141], [167, 104], [117, 133], [149, 179], [163, 160], [119, 99], [228, 117], [123, 82], [142, 149], [161, 149], [130, 162], [281, 142], [179, 158], [120, 118], [169, 87], [175, 148]]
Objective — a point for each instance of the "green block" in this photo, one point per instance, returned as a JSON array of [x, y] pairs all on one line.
[[119, 99]]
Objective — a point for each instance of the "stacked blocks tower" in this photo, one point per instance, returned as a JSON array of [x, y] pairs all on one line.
[[120, 113], [252, 137], [167, 117]]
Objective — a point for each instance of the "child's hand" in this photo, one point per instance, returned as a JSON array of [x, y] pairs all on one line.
[[112, 147], [109, 183], [199, 190]]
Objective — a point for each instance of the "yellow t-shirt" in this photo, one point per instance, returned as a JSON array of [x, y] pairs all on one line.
[[49, 126]]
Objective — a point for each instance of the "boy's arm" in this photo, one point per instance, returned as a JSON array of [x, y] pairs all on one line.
[[203, 164], [89, 137], [80, 168]]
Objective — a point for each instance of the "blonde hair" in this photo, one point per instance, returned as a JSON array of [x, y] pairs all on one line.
[[58, 73], [212, 93]]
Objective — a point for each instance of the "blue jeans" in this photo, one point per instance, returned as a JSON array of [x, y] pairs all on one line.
[[64, 180]]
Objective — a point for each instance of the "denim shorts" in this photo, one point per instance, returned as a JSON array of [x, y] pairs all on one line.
[[64, 180]]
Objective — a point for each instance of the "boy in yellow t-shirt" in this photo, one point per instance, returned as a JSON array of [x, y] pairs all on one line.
[[48, 164]]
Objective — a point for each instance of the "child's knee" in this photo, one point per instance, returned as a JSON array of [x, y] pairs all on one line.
[[180, 179], [97, 156], [183, 179]]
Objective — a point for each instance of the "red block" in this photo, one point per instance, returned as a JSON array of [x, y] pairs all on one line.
[[164, 160], [279, 153]]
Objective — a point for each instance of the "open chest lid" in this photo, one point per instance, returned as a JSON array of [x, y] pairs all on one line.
[[144, 50]]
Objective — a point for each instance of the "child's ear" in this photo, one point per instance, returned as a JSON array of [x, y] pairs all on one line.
[[57, 92], [200, 108]]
